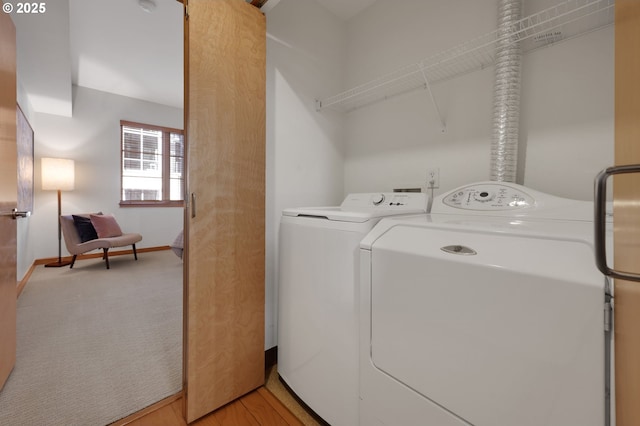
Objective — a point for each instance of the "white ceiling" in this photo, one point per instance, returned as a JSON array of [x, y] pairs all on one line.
[[108, 45], [119, 48], [44, 60], [112, 46], [345, 9]]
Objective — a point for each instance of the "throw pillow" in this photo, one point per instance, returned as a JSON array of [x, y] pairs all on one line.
[[106, 225], [85, 228]]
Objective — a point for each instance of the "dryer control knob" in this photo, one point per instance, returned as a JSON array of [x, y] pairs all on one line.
[[377, 199], [484, 196]]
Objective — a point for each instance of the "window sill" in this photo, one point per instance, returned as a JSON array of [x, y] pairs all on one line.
[[151, 203]]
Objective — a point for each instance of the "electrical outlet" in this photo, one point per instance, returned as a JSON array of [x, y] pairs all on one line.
[[433, 178]]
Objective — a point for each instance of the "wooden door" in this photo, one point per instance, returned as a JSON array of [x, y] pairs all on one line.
[[8, 196], [225, 72], [626, 191]]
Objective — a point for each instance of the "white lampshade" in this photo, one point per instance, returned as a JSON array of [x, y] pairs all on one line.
[[57, 174]]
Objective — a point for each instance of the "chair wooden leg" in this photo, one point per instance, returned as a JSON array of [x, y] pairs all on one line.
[[135, 253], [105, 256], [73, 261]]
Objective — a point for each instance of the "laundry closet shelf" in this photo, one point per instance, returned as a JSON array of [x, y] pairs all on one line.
[[566, 20]]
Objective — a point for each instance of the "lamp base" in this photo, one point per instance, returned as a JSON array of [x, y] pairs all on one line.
[[57, 264]]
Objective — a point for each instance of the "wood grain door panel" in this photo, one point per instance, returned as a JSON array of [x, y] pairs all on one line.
[[7, 293], [626, 190], [225, 219], [8, 196]]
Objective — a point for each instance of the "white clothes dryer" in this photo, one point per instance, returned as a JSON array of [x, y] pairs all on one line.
[[318, 298], [487, 312]]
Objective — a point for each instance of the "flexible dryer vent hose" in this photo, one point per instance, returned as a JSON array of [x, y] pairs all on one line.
[[506, 97]]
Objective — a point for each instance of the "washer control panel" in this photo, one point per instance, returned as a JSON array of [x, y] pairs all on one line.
[[489, 197], [385, 200]]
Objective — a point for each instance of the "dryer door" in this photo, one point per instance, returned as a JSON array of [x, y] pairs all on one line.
[[510, 335]]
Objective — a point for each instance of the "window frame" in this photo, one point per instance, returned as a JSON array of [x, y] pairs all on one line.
[[166, 165]]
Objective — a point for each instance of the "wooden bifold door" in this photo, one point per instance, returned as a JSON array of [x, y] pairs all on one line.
[[8, 196], [225, 73]]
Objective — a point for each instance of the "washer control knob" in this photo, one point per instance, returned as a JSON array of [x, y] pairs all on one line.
[[377, 199]]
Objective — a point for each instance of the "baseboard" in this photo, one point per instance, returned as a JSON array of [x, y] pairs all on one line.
[[270, 357], [24, 280], [99, 255]]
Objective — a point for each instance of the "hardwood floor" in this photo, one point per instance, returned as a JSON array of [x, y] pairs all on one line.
[[258, 408]]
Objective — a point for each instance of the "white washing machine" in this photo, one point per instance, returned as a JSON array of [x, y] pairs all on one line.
[[318, 298], [487, 312]]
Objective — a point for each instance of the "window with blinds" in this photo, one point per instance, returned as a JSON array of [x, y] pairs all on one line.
[[152, 164]]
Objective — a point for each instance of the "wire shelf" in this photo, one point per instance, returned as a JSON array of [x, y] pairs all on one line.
[[568, 19]]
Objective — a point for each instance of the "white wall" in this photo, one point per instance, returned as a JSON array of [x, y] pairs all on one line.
[[567, 114], [305, 56], [567, 104], [92, 138]]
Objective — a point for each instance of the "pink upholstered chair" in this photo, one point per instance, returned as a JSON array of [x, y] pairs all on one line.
[[78, 238]]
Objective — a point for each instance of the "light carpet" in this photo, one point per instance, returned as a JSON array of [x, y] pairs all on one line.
[[95, 345]]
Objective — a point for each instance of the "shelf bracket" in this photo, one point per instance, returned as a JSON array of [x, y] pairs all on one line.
[[443, 126]]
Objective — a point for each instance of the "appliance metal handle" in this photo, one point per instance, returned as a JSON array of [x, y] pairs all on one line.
[[15, 214], [600, 224], [458, 249]]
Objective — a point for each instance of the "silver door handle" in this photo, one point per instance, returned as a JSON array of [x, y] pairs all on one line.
[[15, 214], [600, 224]]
